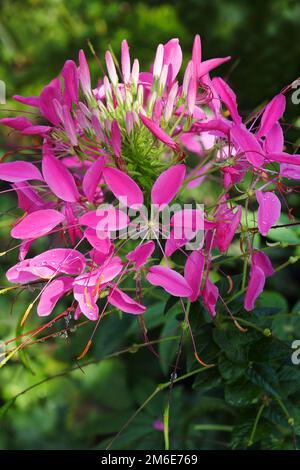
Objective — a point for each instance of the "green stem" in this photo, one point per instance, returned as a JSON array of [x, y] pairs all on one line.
[[166, 416], [251, 438], [213, 427]]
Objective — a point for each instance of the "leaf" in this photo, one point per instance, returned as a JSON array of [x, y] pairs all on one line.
[[230, 371], [242, 393], [168, 349], [207, 380], [170, 303], [264, 377]]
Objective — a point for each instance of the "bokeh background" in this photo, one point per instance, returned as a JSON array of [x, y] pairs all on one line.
[[85, 408]]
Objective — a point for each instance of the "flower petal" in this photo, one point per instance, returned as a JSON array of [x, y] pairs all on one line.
[[210, 64], [274, 139], [101, 243], [58, 260], [290, 171], [18, 123], [123, 187], [255, 287], [21, 273], [37, 224], [226, 229], [210, 297], [159, 133], [173, 57], [187, 223], [52, 293], [58, 178], [283, 157], [268, 211], [167, 185], [71, 82], [123, 302], [260, 259], [193, 273], [248, 144], [141, 254], [272, 113], [105, 219], [228, 97], [171, 281], [16, 172], [92, 178]]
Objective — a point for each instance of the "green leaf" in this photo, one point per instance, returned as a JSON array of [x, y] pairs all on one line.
[[242, 393]]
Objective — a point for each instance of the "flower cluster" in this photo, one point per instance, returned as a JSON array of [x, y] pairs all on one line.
[[142, 139]]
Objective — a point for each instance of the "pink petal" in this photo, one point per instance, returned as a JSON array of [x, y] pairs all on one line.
[[69, 125], [123, 187], [272, 113], [52, 293], [268, 211], [105, 219], [187, 222], [210, 297], [101, 243], [21, 273], [217, 125], [84, 74], [123, 302], [28, 100], [58, 260], [111, 269], [71, 82], [173, 244], [260, 259], [173, 57], [228, 97], [24, 248], [283, 157], [159, 133], [226, 229], [290, 171], [248, 144], [48, 96], [87, 302], [141, 254], [197, 55], [125, 61], [210, 64], [106, 273], [92, 178], [193, 273], [170, 280], [19, 123], [28, 199], [116, 138], [37, 224], [19, 171], [37, 130], [58, 178], [255, 287], [274, 139], [167, 185]]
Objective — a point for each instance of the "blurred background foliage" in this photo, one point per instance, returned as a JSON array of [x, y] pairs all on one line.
[[87, 407]]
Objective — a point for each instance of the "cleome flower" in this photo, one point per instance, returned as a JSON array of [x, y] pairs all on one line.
[[134, 144]]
